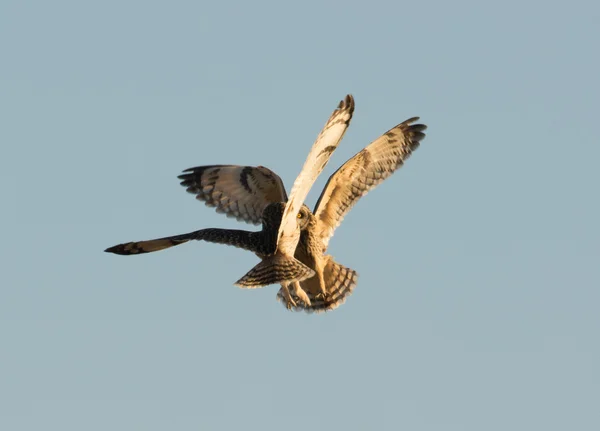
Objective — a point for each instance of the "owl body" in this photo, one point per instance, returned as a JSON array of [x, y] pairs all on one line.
[[293, 242]]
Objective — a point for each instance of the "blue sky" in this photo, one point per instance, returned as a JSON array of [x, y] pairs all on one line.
[[477, 302]]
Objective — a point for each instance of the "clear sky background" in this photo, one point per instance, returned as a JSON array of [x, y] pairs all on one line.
[[477, 303]]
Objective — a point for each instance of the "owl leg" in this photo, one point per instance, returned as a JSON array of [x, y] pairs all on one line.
[[299, 293], [319, 269], [291, 294], [287, 296]]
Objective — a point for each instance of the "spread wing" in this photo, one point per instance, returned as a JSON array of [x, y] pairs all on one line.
[[361, 173], [319, 155], [237, 191]]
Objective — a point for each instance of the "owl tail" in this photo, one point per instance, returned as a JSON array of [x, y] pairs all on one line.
[[275, 269], [339, 283]]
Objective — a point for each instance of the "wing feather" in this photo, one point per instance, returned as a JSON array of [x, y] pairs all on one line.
[[319, 155], [363, 172], [242, 192]]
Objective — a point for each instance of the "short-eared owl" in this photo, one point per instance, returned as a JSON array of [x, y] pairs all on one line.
[[293, 240]]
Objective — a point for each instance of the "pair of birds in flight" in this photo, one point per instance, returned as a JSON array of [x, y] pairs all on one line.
[[293, 242]]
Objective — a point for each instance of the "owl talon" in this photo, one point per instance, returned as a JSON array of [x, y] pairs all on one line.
[[289, 300], [300, 294], [290, 303]]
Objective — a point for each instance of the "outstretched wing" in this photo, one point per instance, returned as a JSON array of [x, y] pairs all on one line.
[[237, 238], [326, 143], [237, 191], [361, 173]]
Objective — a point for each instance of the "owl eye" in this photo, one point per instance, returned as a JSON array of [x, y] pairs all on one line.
[[300, 215]]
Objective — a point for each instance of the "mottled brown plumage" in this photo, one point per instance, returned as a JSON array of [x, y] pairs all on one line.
[[262, 243], [311, 280], [242, 192], [332, 282]]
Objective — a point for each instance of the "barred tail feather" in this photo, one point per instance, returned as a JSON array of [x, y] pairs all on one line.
[[275, 269], [339, 282]]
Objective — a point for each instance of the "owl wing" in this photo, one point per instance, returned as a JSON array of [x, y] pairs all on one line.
[[326, 143], [364, 171], [237, 191]]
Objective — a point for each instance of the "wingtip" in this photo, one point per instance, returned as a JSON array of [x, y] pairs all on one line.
[[416, 130], [116, 249], [197, 170], [347, 103]]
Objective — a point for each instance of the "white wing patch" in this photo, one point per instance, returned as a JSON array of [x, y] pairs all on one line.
[[319, 155]]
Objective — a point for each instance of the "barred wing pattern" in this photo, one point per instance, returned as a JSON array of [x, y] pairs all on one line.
[[242, 192], [252, 241], [363, 172], [317, 159], [310, 280]]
